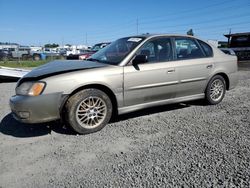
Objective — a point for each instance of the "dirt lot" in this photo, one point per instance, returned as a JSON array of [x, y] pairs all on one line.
[[190, 145]]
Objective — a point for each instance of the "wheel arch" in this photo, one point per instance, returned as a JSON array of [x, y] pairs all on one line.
[[101, 87], [224, 75]]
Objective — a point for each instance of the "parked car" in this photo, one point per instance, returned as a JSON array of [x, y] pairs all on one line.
[[131, 73], [21, 52], [45, 53], [228, 51], [86, 54], [93, 50], [76, 55], [4, 54]]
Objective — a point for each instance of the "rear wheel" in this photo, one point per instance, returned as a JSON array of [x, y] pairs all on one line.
[[215, 90], [5, 58], [88, 111], [25, 57]]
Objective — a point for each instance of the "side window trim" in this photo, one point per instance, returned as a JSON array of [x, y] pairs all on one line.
[[202, 50], [199, 42], [173, 45]]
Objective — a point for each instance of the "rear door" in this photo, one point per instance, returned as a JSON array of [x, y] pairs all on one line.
[[154, 80], [194, 63]]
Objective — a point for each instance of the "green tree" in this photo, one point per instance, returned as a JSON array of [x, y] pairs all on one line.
[[51, 45], [190, 32]]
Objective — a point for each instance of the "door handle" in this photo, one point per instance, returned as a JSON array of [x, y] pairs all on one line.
[[209, 66]]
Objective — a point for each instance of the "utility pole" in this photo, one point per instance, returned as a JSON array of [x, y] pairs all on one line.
[[137, 25], [62, 41], [228, 40], [86, 39]]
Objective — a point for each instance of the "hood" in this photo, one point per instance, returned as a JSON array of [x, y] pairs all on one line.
[[60, 67]]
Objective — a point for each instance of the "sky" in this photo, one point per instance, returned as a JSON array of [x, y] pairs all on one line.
[[37, 22]]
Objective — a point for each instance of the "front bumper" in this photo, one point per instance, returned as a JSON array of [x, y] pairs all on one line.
[[38, 109]]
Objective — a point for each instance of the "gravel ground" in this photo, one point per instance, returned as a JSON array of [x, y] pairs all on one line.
[[181, 145]]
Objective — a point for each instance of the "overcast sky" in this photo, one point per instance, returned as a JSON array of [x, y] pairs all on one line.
[[36, 22]]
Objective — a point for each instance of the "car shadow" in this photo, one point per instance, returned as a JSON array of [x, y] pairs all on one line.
[[9, 126]]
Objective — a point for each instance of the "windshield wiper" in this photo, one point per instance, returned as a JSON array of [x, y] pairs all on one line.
[[101, 61], [93, 59]]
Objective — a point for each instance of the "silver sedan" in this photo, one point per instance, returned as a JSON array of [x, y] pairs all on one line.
[[131, 73]]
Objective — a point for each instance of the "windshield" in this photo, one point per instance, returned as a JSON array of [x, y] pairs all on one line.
[[96, 47], [99, 46], [117, 51]]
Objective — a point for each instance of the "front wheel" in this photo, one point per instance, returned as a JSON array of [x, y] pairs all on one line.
[[88, 111], [215, 90]]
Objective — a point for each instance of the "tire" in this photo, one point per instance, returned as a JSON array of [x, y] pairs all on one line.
[[36, 57], [88, 111], [25, 57], [5, 58], [215, 90], [61, 57]]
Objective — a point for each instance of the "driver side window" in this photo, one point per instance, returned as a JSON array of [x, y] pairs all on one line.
[[157, 50]]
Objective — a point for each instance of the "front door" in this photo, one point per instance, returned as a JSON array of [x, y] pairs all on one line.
[[154, 80]]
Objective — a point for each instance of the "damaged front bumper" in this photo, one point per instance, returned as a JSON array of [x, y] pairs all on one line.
[[37, 109]]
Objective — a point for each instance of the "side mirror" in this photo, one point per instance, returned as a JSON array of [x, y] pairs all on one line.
[[139, 59]]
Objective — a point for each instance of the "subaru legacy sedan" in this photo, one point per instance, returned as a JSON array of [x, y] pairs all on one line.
[[131, 73]]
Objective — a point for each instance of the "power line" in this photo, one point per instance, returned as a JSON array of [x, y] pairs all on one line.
[[178, 17], [130, 23], [201, 22], [187, 10], [111, 32], [137, 25]]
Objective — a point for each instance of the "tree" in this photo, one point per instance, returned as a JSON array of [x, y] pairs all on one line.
[[51, 45], [190, 32]]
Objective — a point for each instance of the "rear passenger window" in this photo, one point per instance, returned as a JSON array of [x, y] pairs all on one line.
[[187, 49], [207, 49]]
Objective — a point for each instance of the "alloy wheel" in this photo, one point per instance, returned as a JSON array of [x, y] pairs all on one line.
[[217, 90], [91, 112]]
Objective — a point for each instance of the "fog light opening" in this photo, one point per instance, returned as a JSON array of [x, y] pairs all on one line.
[[24, 115]]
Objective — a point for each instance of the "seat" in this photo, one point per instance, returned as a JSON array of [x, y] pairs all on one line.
[[145, 52], [183, 53], [164, 54], [195, 53]]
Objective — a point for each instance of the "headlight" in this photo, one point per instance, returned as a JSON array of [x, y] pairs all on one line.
[[31, 88]]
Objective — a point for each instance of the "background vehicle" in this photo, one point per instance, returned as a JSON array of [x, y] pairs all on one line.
[[20, 52], [131, 73], [45, 53], [75, 54], [93, 50], [4, 54], [240, 44], [86, 54], [227, 51]]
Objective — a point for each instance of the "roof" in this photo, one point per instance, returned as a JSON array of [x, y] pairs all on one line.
[[236, 34], [147, 35]]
